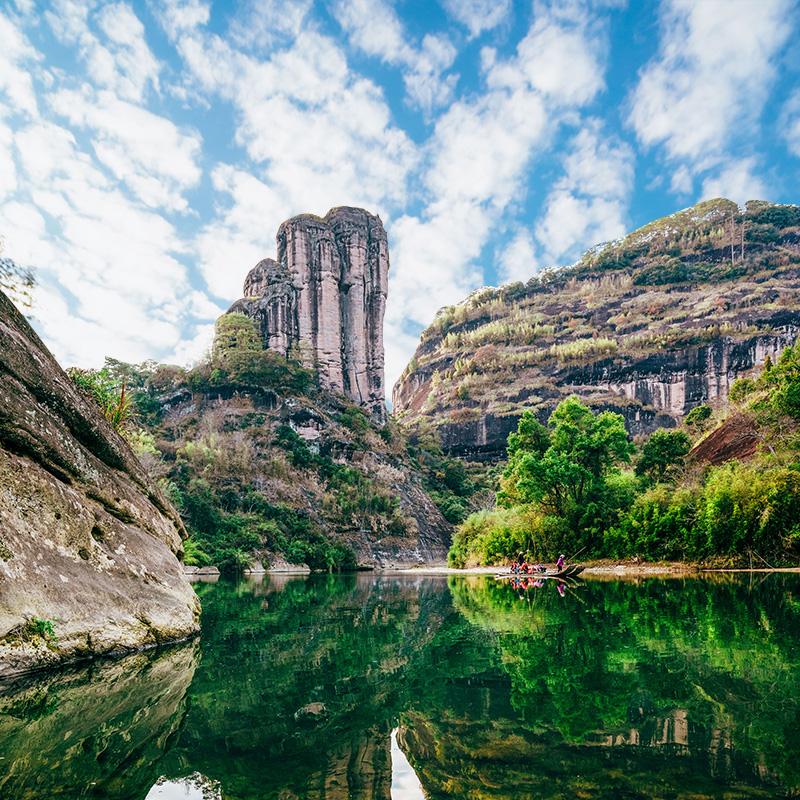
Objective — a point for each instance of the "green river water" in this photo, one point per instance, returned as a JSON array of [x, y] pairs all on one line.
[[404, 687]]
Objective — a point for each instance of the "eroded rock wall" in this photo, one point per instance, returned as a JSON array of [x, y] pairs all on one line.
[[88, 542], [325, 297]]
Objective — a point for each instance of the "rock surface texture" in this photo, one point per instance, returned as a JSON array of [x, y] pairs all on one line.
[[89, 545], [325, 298]]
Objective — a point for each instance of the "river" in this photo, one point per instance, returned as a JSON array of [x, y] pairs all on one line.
[[400, 687]]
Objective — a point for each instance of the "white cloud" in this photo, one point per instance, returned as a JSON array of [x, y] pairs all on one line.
[[15, 78], [263, 24], [124, 62], [478, 15], [588, 204], [518, 262], [737, 181], [8, 169], [179, 17], [790, 123], [709, 81], [149, 153], [241, 234], [682, 181], [374, 27], [478, 160]]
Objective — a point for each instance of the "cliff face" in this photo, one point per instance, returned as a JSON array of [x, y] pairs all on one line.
[[88, 543], [650, 326], [326, 296]]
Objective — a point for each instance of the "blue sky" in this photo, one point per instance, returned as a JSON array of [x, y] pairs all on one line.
[[149, 150]]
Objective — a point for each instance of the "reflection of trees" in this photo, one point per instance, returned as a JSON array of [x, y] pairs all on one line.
[[682, 669], [300, 689], [618, 690]]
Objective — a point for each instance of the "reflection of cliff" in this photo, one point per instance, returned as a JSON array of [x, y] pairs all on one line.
[[618, 690], [93, 733], [301, 698]]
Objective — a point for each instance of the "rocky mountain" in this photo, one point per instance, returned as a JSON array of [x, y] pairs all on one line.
[[89, 545], [324, 300], [649, 326]]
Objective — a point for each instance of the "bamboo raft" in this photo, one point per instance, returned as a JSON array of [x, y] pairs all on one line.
[[572, 571]]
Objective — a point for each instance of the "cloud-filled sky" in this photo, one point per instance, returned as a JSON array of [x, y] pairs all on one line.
[[149, 150]]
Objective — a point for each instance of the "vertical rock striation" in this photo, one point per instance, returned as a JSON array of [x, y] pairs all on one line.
[[325, 297]]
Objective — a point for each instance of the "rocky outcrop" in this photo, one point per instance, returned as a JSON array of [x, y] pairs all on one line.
[[89, 545], [325, 298], [649, 326]]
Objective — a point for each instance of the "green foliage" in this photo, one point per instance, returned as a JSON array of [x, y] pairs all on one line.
[[783, 384], [113, 399], [450, 483], [239, 359], [496, 536], [561, 490], [737, 510], [193, 555], [354, 419], [568, 479], [34, 628], [294, 444], [662, 451], [697, 416]]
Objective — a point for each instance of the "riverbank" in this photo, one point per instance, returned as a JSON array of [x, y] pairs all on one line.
[[601, 567]]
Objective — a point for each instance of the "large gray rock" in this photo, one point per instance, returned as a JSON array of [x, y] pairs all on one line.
[[325, 296], [88, 542]]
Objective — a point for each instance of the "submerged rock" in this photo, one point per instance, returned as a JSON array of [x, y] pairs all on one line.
[[90, 548]]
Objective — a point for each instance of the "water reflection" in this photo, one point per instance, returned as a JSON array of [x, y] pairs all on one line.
[[399, 688], [405, 783], [96, 732], [193, 787]]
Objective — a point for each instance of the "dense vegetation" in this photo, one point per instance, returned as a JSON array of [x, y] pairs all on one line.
[[221, 439], [569, 487], [684, 281]]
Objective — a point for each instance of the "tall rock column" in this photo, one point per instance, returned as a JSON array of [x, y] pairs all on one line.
[[308, 251], [376, 308], [365, 273], [327, 294]]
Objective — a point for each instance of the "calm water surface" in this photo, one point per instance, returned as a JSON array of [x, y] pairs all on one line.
[[400, 688]]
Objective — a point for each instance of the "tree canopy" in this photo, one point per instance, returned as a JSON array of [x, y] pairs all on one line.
[[564, 471]]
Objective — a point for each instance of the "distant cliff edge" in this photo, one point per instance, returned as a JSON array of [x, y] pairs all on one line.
[[649, 326]]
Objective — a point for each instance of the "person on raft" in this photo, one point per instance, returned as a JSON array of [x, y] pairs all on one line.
[[560, 563]]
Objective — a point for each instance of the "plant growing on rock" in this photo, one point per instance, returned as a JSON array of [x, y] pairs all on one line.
[[114, 400]]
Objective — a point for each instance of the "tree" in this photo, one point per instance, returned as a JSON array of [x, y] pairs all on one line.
[[663, 450], [16, 281], [568, 478]]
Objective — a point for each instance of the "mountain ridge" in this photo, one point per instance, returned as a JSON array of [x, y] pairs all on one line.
[[649, 325]]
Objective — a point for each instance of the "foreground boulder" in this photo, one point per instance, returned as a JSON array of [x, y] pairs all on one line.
[[90, 548]]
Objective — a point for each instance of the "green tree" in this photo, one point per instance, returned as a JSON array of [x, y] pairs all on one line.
[[236, 342], [662, 451], [568, 479]]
